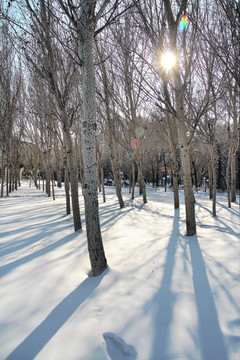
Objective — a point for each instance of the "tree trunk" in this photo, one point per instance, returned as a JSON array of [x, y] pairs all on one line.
[[58, 168], [233, 177], [214, 179], [117, 180], [95, 245], [101, 174], [7, 176], [53, 181], [185, 158], [66, 178], [174, 164], [195, 175], [99, 178], [165, 170], [142, 184], [227, 178], [72, 173], [214, 212], [103, 186], [43, 176], [210, 175], [2, 174], [235, 141], [133, 180], [219, 171], [113, 153]]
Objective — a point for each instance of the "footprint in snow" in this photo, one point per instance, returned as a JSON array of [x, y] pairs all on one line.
[[117, 349]]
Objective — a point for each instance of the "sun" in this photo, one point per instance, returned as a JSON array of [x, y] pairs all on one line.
[[168, 60]]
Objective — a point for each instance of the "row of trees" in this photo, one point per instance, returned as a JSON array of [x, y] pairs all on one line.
[[82, 79]]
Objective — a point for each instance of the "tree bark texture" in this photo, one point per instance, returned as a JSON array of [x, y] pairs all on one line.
[[95, 245], [235, 142], [185, 158], [174, 164], [72, 173], [214, 178], [142, 184], [111, 144], [66, 178]]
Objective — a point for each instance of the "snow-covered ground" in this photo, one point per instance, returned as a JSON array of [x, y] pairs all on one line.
[[164, 295]]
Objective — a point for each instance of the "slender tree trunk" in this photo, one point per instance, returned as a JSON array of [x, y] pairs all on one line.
[[113, 153], [58, 168], [185, 158], [95, 246], [174, 164], [48, 178], [66, 178], [48, 182], [103, 186], [53, 181], [117, 180], [133, 180], [99, 178], [153, 174], [72, 172], [227, 179], [142, 184], [233, 178], [210, 174], [214, 199], [7, 177], [81, 172], [101, 174], [3, 174], [235, 141], [165, 170], [214, 179], [195, 175], [39, 180]]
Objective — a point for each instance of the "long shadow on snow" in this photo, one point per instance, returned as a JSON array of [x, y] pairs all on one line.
[[142, 206], [116, 213], [210, 335], [5, 269], [231, 210], [227, 229], [20, 243], [234, 279], [35, 342], [164, 299]]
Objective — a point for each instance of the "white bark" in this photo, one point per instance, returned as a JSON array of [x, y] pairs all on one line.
[[185, 158], [95, 246]]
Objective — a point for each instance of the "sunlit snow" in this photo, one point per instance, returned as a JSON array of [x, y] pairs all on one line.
[[164, 295]]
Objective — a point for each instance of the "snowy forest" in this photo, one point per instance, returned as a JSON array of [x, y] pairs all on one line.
[[119, 122]]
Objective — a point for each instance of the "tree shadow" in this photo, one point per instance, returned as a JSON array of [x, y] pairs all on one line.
[[210, 335], [116, 215], [35, 342], [226, 228], [164, 299], [5, 269], [20, 241], [231, 210]]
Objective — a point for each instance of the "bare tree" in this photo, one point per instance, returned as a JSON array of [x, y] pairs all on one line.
[[84, 19], [10, 87], [161, 26], [110, 125]]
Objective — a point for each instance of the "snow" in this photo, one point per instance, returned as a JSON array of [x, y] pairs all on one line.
[[164, 295]]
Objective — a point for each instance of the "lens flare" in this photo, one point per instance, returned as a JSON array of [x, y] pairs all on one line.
[[182, 24], [168, 60], [135, 143]]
